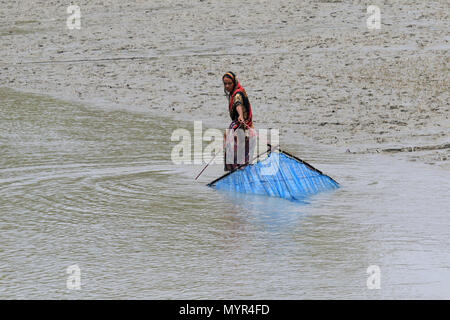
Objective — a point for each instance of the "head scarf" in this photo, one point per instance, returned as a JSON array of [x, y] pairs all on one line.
[[232, 76]]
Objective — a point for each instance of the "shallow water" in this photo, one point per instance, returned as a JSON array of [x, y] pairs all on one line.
[[96, 188]]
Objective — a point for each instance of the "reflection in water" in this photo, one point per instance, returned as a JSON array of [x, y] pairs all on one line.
[[273, 214]]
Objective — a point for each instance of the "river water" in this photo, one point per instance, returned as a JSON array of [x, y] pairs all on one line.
[[96, 188]]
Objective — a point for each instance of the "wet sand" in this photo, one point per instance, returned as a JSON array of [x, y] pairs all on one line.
[[311, 68]]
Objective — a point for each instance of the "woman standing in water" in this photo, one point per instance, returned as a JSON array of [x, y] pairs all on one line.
[[241, 129]]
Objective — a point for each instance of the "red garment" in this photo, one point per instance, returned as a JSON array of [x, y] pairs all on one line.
[[239, 88]]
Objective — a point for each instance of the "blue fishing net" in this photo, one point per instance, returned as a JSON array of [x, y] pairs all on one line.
[[279, 175]]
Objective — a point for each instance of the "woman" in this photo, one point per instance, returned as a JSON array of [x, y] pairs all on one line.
[[241, 128]]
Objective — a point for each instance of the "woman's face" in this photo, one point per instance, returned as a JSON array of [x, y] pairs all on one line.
[[228, 84]]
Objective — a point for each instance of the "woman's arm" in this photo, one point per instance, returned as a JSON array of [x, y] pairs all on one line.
[[240, 112], [239, 104]]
